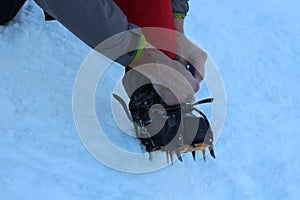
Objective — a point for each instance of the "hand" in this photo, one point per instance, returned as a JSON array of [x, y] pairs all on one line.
[[171, 75], [189, 52], [179, 24]]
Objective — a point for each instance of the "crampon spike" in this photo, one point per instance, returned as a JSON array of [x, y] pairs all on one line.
[[203, 154], [194, 155], [167, 154], [150, 156], [212, 152], [178, 155]]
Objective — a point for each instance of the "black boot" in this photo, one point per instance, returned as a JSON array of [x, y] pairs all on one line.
[[173, 129]]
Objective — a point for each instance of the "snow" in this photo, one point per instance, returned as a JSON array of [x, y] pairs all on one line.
[[255, 45]]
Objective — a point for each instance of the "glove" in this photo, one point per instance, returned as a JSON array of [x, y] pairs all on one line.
[[155, 67], [187, 52]]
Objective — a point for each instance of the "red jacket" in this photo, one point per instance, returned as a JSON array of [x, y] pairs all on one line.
[[152, 13]]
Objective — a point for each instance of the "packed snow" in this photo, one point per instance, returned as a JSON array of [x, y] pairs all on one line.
[[256, 46]]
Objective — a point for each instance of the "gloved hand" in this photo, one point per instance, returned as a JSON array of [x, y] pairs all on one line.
[[187, 52], [191, 53], [171, 75]]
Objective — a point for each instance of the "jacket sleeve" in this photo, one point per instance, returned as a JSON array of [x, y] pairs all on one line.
[[180, 6], [94, 21]]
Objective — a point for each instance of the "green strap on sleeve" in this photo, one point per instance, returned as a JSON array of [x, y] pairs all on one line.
[[178, 15], [140, 49]]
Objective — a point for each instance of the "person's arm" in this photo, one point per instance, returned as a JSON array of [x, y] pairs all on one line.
[[192, 54], [94, 21], [180, 9]]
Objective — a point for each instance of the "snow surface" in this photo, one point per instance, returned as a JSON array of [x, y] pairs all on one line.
[[256, 46]]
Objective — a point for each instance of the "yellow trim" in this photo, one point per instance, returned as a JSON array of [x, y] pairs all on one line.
[[178, 15], [140, 49]]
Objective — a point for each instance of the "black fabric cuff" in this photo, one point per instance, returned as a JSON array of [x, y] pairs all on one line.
[[180, 6], [135, 40]]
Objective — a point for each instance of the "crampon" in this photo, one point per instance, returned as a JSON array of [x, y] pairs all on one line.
[[171, 129]]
